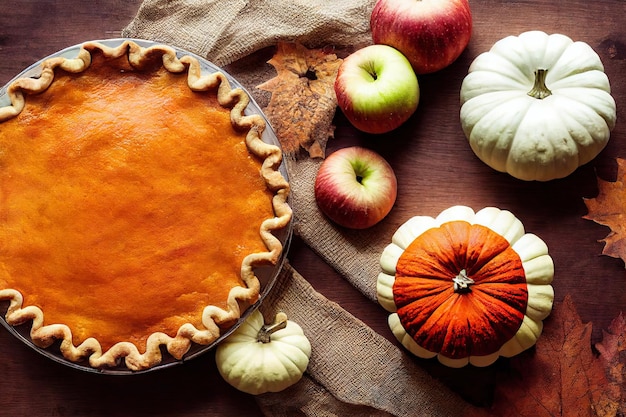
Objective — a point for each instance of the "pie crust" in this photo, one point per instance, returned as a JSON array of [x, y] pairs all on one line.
[[265, 194]]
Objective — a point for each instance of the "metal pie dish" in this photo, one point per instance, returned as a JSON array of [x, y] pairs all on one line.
[[267, 275]]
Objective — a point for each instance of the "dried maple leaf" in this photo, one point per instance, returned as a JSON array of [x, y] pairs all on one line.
[[303, 101], [609, 209], [613, 355], [561, 377]]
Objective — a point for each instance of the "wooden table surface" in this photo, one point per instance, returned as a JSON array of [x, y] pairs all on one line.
[[435, 170]]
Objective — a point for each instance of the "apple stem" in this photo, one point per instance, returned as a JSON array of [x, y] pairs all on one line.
[[360, 171], [539, 90]]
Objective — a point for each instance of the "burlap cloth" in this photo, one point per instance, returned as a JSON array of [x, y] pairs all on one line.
[[353, 370]]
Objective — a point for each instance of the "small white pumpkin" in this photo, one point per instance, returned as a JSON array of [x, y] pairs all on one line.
[[258, 358], [537, 106]]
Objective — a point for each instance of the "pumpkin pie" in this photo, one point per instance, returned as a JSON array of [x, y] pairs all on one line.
[[138, 201]]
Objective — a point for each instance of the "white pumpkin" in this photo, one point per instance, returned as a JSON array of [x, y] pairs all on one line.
[[537, 106], [258, 358]]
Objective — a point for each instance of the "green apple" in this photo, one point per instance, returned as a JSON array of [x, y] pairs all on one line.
[[377, 89]]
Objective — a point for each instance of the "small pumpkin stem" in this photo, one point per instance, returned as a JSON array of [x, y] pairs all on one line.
[[265, 333], [539, 90], [461, 283]]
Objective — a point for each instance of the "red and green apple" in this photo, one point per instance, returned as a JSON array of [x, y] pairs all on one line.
[[377, 89], [355, 187], [430, 33]]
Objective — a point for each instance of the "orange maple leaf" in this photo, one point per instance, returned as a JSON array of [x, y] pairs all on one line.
[[613, 355], [303, 101], [609, 209], [561, 376]]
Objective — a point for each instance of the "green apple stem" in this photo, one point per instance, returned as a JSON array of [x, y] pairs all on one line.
[[370, 69], [360, 171], [539, 90]]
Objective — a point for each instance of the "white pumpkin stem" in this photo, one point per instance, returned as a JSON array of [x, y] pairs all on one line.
[[462, 282], [539, 90], [266, 331]]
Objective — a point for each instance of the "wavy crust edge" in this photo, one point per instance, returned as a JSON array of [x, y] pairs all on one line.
[[239, 298]]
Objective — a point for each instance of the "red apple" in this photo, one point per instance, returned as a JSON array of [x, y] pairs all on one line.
[[355, 187], [430, 33], [377, 89]]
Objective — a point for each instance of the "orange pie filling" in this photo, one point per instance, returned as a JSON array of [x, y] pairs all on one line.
[[128, 203]]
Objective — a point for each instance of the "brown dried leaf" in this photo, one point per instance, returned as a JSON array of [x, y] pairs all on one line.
[[562, 377], [609, 209], [303, 101], [613, 355]]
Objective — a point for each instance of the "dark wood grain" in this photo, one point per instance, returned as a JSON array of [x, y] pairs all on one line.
[[435, 170]]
